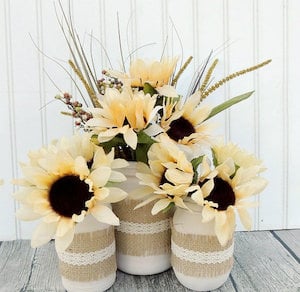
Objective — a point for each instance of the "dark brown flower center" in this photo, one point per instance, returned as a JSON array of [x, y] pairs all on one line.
[[67, 196], [222, 194], [180, 128]]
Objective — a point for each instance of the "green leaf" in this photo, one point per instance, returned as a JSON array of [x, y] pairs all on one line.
[[195, 163], [94, 139], [149, 89], [143, 138], [142, 152], [228, 103], [215, 160], [169, 207]]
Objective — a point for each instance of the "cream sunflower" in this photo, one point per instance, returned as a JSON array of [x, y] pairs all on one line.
[[167, 178], [241, 158], [226, 189], [61, 189], [186, 123], [156, 73], [125, 113]]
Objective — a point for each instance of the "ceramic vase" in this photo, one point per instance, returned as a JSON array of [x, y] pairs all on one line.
[[199, 261], [89, 263], [143, 240]]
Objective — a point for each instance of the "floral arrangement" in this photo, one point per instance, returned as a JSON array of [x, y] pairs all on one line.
[[141, 115], [138, 115], [220, 183], [65, 182]]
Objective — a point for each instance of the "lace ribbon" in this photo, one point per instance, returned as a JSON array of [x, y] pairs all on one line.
[[202, 257], [87, 258], [143, 228]]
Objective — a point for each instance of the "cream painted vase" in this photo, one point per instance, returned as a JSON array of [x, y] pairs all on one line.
[[199, 261], [89, 263], [143, 241]]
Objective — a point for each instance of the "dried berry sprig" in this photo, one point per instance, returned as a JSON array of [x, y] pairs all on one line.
[[80, 115], [108, 81]]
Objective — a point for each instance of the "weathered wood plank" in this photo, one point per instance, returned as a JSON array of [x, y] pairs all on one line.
[[15, 265], [263, 264], [44, 270], [290, 239]]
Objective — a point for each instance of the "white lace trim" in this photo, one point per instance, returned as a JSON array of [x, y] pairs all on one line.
[[202, 257], [144, 228], [87, 258]]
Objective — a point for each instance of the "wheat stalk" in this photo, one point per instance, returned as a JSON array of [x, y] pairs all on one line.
[[232, 76]]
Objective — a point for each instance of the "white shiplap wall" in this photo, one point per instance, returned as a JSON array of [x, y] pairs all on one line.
[[242, 33]]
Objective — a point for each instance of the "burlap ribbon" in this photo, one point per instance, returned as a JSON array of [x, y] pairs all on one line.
[[200, 255], [90, 257], [140, 233]]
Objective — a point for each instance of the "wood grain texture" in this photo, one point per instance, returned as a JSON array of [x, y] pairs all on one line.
[[15, 265], [262, 263], [290, 240]]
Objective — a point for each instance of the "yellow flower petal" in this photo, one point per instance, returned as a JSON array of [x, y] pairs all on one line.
[[100, 176], [79, 218], [27, 214], [198, 197], [116, 176], [245, 218], [63, 242], [81, 167], [208, 214], [130, 138], [64, 226], [101, 193], [119, 163], [43, 233], [160, 205], [176, 176], [115, 195], [207, 187], [147, 201], [222, 231], [105, 215], [180, 203]]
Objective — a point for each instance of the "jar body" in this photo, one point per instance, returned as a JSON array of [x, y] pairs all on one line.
[[89, 263], [143, 240], [199, 261]]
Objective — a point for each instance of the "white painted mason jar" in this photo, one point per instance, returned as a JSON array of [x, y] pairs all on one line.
[[89, 263], [199, 261], [143, 241]]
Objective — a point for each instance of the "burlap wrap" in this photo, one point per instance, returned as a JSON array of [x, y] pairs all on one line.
[[87, 244], [203, 244], [139, 244]]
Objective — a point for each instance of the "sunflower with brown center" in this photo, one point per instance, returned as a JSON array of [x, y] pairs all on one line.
[[126, 113], [226, 188], [186, 123], [166, 179], [156, 73], [64, 183]]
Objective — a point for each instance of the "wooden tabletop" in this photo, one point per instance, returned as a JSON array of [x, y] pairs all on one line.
[[264, 261]]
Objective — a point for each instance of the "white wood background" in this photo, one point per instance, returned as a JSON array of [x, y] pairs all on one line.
[[242, 33]]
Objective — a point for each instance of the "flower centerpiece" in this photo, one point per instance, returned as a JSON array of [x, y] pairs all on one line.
[[136, 117], [142, 116], [139, 113]]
